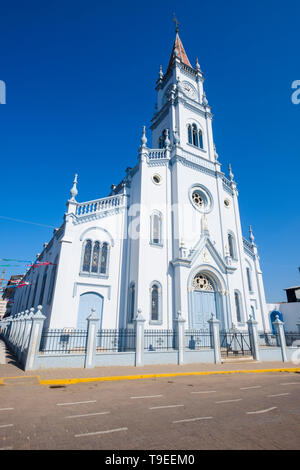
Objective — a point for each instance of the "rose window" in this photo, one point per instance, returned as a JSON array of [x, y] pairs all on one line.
[[201, 282]]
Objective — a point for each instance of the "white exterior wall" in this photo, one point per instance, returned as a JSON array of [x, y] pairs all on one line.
[[190, 244]]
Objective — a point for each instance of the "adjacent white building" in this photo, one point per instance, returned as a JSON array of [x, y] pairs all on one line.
[[168, 238]]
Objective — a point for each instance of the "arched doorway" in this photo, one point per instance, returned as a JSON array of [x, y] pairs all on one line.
[[203, 301], [273, 318], [87, 301]]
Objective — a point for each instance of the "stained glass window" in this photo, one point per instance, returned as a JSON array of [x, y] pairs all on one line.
[[95, 258], [190, 137], [200, 139], [237, 306], [195, 135], [87, 256], [104, 253], [154, 302], [131, 303]]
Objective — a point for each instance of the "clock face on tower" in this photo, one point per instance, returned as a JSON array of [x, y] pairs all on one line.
[[189, 90]]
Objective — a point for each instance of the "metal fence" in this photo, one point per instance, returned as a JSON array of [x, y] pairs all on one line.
[[197, 339], [63, 341], [235, 343], [268, 339], [160, 340], [292, 338], [118, 340]]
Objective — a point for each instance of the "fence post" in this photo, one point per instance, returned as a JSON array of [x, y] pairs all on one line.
[[35, 338], [180, 337], [278, 325], [214, 328], [90, 353], [253, 336], [139, 338]]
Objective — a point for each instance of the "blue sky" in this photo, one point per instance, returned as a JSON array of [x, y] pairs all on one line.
[[80, 79]]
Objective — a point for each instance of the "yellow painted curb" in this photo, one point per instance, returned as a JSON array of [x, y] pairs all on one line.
[[148, 376]]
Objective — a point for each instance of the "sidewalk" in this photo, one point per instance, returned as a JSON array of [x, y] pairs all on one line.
[[12, 369]]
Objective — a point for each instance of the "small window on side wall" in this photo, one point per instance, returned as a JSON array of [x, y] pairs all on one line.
[[238, 306], [156, 229]]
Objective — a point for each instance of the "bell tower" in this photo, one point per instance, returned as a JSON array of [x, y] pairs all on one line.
[[182, 106]]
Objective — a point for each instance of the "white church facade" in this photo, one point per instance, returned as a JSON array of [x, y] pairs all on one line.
[[167, 239]]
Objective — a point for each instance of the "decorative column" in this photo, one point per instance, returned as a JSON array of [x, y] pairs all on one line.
[[37, 324], [180, 337], [253, 335], [214, 328], [278, 325], [90, 354], [28, 323], [139, 338]]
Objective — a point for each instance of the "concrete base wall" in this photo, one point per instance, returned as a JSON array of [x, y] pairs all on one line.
[[270, 354]]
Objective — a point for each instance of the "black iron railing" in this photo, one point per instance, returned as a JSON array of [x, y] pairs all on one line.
[[160, 340], [292, 338], [117, 340], [235, 343], [63, 341], [197, 339], [268, 339]]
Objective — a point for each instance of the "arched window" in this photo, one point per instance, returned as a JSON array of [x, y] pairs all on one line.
[[35, 291], [95, 258], [195, 135], [43, 286], [131, 302], [238, 307], [161, 140], [200, 134], [231, 246], [155, 303], [104, 257], [253, 312], [52, 281], [87, 256], [249, 279], [156, 229], [190, 135]]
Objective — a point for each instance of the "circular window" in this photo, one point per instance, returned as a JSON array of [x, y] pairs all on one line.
[[156, 179], [201, 199], [197, 199], [227, 203]]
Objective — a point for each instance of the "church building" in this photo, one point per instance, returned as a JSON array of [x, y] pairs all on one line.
[[167, 239]]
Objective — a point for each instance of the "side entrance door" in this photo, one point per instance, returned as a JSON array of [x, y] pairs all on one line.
[[88, 301]]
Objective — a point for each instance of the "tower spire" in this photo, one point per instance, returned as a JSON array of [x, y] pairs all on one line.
[[178, 49]]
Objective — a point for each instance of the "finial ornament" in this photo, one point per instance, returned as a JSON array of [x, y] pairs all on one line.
[[167, 140], [215, 153], [144, 138], [251, 236], [161, 72], [231, 175], [198, 65], [74, 190], [204, 100]]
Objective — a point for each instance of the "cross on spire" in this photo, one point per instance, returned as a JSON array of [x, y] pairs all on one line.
[[176, 23]]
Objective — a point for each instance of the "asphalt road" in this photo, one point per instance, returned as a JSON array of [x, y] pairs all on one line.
[[239, 411]]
